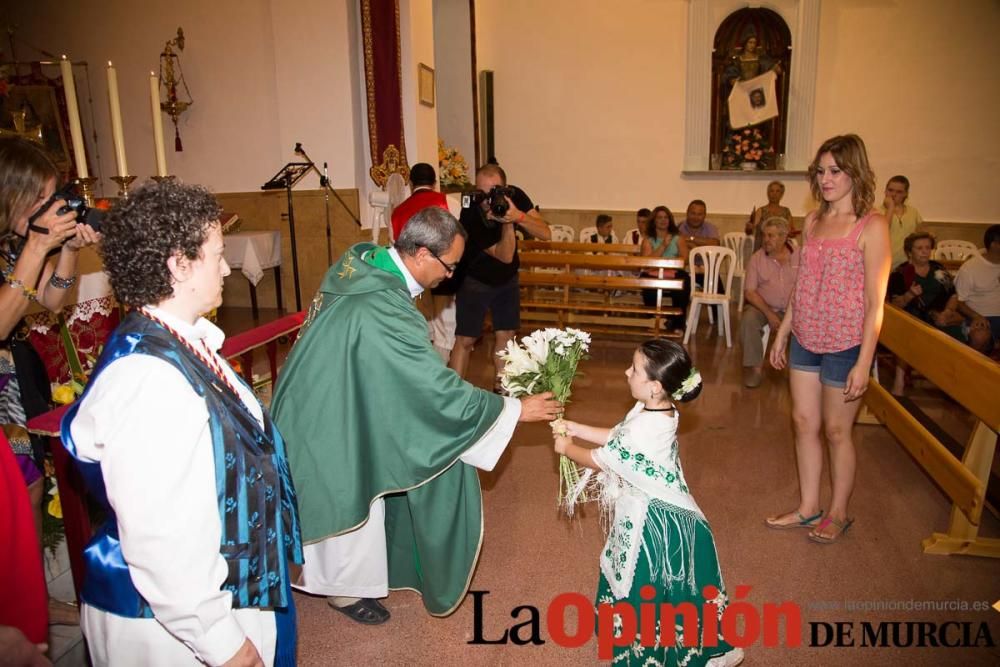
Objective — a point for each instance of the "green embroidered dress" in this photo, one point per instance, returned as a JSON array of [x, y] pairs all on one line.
[[657, 536]]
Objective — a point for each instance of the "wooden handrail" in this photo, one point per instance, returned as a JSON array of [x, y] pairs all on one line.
[[974, 382], [967, 376]]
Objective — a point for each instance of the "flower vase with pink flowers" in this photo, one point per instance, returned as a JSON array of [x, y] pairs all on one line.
[[749, 149]]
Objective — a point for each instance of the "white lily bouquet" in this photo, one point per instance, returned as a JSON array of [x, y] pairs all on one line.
[[544, 361]]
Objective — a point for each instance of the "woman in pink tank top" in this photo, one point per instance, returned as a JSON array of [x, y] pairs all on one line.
[[832, 324]]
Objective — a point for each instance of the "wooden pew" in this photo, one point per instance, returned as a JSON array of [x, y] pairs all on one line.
[[554, 246], [563, 273], [973, 381]]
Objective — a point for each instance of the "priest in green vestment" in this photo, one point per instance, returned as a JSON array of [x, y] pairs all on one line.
[[383, 439]]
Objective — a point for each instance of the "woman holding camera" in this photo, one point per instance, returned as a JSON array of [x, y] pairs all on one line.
[[37, 268]]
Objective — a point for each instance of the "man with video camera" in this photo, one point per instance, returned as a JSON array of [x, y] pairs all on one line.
[[488, 270]]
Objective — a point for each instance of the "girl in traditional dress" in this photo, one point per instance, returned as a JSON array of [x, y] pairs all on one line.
[[658, 537]]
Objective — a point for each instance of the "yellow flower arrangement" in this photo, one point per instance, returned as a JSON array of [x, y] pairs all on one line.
[[453, 171]]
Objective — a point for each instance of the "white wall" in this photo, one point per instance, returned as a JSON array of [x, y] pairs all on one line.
[[453, 61], [252, 101], [590, 101], [416, 29], [589, 93]]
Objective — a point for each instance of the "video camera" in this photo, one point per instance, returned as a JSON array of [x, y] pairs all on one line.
[[497, 197], [74, 202]]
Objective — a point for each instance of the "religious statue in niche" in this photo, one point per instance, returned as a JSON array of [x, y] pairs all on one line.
[[749, 108]]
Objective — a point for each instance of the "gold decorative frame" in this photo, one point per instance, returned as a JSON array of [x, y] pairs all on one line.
[[425, 85]]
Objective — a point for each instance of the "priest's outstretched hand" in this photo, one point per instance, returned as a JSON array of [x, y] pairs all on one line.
[[540, 407]]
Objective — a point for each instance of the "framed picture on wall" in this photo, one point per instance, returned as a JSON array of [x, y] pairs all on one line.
[[35, 107], [425, 84]]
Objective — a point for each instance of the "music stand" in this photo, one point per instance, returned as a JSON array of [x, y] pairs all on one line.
[[286, 178]]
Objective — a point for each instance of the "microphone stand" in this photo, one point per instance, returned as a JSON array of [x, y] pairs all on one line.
[[325, 182]]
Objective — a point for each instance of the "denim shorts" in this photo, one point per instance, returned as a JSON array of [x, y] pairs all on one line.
[[833, 367]]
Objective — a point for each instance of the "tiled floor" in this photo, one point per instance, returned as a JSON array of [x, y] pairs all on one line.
[[739, 461]]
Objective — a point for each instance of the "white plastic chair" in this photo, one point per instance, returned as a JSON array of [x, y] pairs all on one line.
[[562, 233], [712, 259], [587, 232], [742, 245], [955, 250]]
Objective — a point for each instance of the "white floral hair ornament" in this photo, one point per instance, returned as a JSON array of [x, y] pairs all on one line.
[[691, 382]]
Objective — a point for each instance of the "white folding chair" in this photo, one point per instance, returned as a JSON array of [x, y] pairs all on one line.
[[712, 260], [562, 233], [955, 250], [742, 245]]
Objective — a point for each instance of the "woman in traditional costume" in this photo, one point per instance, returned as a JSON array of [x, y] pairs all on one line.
[[660, 548], [192, 564]]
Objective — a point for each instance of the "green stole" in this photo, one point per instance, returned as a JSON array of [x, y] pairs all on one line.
[[368, 410]]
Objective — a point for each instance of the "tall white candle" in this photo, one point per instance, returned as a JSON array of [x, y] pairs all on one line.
[[154, 104], [116, 121], [73, 111]]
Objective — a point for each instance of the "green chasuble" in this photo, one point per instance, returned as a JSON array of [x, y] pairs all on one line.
[[367, 410]]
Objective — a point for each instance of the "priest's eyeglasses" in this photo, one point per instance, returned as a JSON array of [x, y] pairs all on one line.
[[450, 268]]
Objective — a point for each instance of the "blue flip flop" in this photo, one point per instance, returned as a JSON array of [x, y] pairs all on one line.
[[803, 522]]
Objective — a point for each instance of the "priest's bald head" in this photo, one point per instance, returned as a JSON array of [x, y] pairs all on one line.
[[431, 245]]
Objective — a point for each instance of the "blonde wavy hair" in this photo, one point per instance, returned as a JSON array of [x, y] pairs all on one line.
[[849, 153]]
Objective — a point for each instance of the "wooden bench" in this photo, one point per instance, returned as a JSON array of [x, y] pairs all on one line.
[[558, 290], [971, 380], [602, 248]]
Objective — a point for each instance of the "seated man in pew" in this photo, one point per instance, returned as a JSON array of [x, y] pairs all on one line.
[[635, 236], [978, 288], [605, 230], [771, 274]]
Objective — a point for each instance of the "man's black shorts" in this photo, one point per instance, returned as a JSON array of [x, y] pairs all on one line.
[[474, 298]]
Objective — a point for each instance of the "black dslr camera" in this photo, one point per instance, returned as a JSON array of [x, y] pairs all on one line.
[[74, 202], [497, 198]]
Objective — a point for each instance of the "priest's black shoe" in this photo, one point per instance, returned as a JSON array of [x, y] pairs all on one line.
[[366, 610]]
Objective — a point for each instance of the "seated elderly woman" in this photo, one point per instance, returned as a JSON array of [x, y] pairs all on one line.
[[192, 564], [923, 288], [772, 209]]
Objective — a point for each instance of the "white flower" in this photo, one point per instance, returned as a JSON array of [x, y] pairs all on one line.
[[517, 361], [582, 336], [690, 383], [537, 347]]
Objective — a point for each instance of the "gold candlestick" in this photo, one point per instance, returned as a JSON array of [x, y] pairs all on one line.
[[162, 179], [87, 189], [123, 183]]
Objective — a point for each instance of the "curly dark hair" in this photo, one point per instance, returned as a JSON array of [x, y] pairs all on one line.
[[668, 363], [156, 222]]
